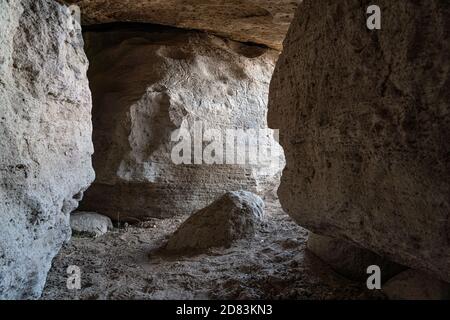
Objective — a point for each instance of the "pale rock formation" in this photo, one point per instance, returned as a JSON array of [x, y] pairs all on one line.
[[45, 139], [349, 260], [259, 21], [415, 285], [90, 223], [148, 83], [364, 119], [234, 216]]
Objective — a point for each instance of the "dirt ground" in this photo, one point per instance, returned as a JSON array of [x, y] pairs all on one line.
[[127, 264]]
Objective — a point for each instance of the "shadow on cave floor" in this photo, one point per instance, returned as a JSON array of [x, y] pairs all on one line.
[[274, 265]]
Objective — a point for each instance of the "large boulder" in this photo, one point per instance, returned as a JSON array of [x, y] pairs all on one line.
[[234, 216], [146, 85], [45, 139], [258, 21], [364, 119]]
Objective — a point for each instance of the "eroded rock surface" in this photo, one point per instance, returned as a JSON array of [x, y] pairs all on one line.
[[259, 21], [364, 119], [45, 139], [148, 83], [234, 216]]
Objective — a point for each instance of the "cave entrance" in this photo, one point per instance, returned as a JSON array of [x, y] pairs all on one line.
[[196, 230], [150, 82]]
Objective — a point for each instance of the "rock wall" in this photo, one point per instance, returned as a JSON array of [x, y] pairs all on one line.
[[259, 21], [45, 139], [364, 119], [148, 82]]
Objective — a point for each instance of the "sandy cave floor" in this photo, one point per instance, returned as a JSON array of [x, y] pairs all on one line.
[[124, 264]]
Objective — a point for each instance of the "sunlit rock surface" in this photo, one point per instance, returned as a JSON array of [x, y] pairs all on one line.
[[45, 139]]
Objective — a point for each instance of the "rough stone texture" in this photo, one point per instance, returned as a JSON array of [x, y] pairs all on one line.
[[90, 223], [45, 139], [234, 216], [146, 84], [259, 21], [364, 119], [415, 285], [348, 259]]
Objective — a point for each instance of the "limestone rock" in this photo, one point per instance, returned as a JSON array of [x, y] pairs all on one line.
[[364, 119], [416, 285], [349, 260], [148, 83], [258, 21], [45, 139], [234, 216], [90, 223]]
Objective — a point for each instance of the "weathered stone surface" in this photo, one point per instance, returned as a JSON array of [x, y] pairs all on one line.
[[258, 21], [45, 139], [234, 216], [364, 119], [415, 285], [349, 260], [90, 223], [145, 85]]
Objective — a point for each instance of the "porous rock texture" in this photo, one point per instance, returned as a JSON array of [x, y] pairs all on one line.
[[349, 260], [259, 21], [90, 223], [234, 216], [364, 119], [146, 83], [45, 139], [416, 285]]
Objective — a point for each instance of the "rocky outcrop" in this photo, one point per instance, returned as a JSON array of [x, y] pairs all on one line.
[[149, 83], [364, 119], [45, 139], [90, 223], [234, 216], [414, 285], [258, 21], [349, 260]]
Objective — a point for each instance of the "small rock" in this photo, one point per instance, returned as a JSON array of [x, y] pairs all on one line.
[[236, 215], [416, 285], [90, 223]]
